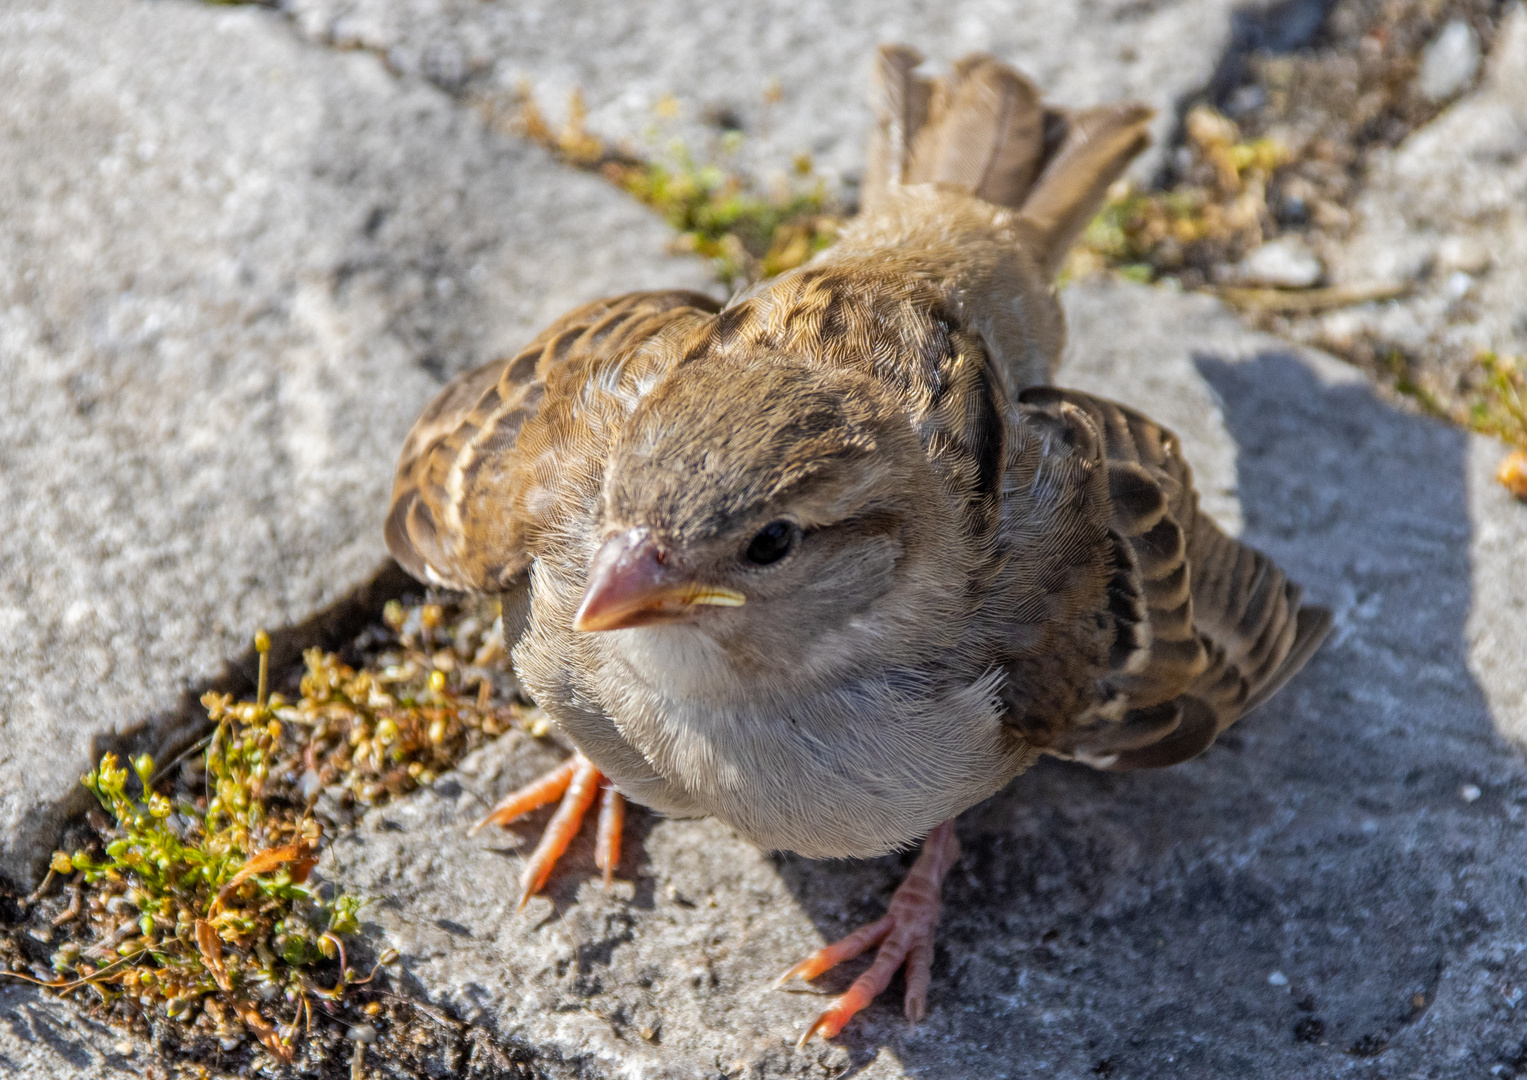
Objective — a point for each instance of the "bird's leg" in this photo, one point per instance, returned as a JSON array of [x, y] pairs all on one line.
[[576, 782], [905, 936]]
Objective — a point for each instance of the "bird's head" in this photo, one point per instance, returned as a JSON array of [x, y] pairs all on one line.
[[772, 517]]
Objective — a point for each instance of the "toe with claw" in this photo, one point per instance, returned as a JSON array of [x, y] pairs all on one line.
[[577, 783], [904, 936]]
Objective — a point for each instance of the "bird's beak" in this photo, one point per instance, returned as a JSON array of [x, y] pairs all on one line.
[[632, 583]]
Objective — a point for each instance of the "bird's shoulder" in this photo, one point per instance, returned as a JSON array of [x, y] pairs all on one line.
[[497, 455]]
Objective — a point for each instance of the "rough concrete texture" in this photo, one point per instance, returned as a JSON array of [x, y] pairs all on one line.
[[1335, 889], [48, 1039], [790, 75], [232, 268], [1446, 213]]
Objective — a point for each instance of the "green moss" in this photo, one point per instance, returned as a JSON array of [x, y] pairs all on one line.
[[1212, 215]]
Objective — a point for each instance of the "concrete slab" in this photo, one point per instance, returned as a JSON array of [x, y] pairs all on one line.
[[45, 1037]]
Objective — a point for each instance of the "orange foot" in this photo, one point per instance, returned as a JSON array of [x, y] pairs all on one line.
[[576, 782], [905, 935]]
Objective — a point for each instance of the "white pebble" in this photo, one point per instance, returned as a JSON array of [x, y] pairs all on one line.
[[1458, 285], [1284, 263], [1450, 61], [1277, 978], [123, 1048], [1469, 792]]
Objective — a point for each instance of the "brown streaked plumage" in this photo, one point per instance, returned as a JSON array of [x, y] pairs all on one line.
[[833, 562]]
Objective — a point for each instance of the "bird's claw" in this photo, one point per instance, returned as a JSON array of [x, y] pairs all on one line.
[[904, 935], [576, 782]]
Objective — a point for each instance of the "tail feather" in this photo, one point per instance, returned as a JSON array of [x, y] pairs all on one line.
[[984, 131], [901, 108], [984, 135], [1098, 145]]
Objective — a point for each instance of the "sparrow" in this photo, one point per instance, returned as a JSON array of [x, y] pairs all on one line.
[[834, 561]]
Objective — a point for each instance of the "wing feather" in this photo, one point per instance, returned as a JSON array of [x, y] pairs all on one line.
[[1222, 629], [464, 509]]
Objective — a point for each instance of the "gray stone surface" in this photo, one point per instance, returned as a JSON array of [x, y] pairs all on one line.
[[726, 60], [1446, 213], [232, 268], [1335, 889], [48, 1039]]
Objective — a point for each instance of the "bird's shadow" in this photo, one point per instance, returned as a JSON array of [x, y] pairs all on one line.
[[1292, 898]]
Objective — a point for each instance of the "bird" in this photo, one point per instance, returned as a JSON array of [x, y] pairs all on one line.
[[835, 560]]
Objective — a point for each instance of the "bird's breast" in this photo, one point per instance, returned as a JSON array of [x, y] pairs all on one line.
[[853, 770]]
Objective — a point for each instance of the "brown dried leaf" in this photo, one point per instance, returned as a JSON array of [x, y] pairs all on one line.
[[300, 855], [211, 948], [263, 1031], [1513, 473]]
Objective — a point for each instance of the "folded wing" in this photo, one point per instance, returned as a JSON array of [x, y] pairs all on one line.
[[480, 472], [1205, 628]]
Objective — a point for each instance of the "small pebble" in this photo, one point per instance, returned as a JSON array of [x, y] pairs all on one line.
[[123, 1048], [362, 1033], [41, 933], [1450, 61], [1284, 263], [1277, 978], [1458, 285], [1470, 792], [309, 784]]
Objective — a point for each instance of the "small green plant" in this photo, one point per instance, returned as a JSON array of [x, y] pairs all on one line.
[[1214, 217], [404, 718], [196, 909], [748, 235], [199, 907], [1499, 407]]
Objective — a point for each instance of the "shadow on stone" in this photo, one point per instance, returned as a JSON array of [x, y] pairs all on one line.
[[1306, 890]]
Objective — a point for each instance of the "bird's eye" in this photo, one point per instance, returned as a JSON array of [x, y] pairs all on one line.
[[771, 543]]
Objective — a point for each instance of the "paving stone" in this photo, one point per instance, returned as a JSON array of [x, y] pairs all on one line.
[[232, 267], [790, 75], [1334, 889]]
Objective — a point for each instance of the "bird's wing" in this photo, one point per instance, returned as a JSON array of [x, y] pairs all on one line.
[[1205, 628], [479, 471]]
